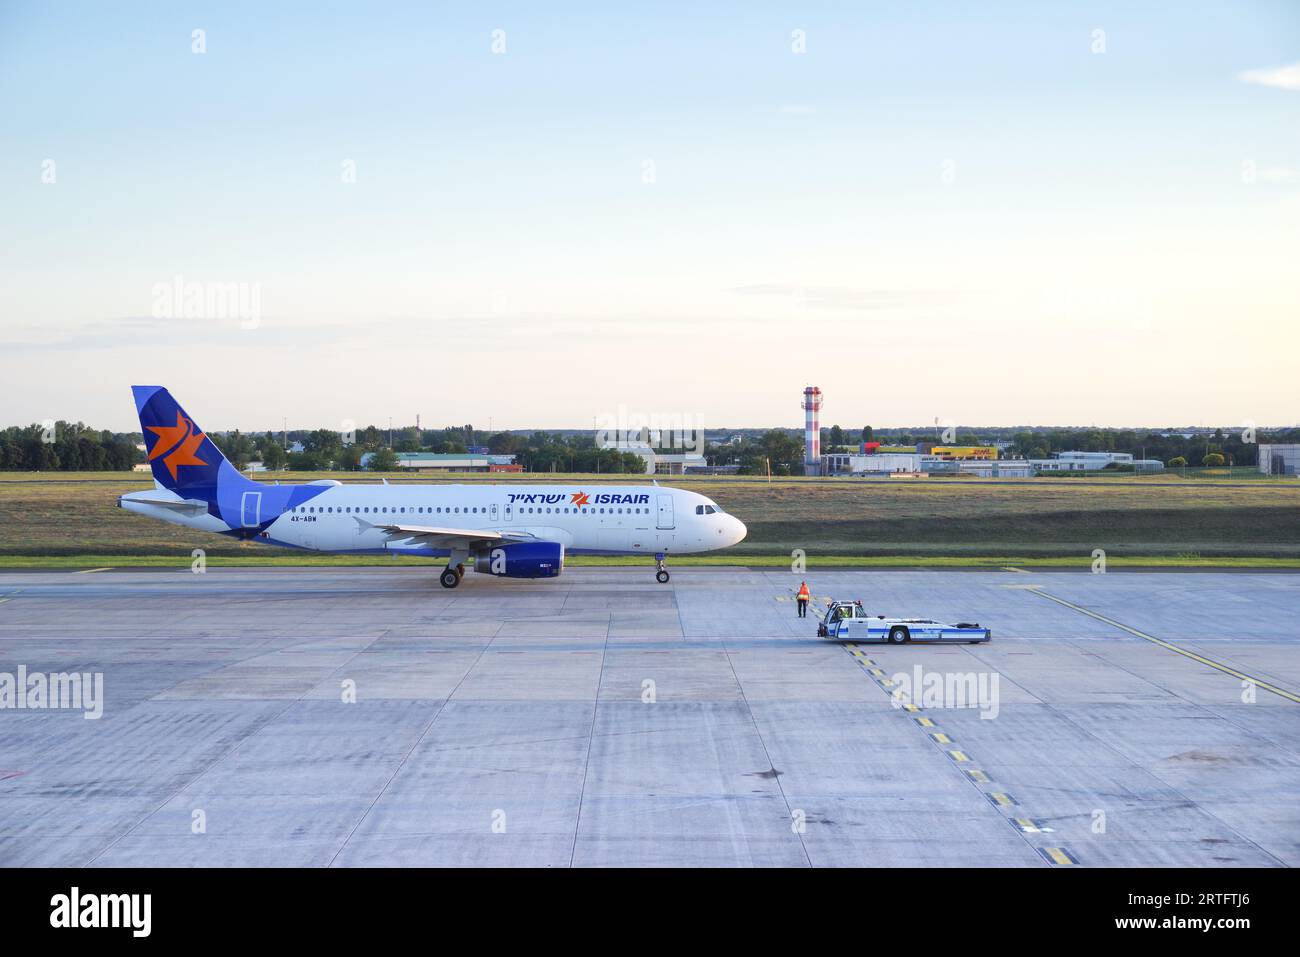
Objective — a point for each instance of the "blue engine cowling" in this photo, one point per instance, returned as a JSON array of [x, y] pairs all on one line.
[[522, 560]]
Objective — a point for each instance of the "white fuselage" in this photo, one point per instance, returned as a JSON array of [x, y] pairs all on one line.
[[636, 519]]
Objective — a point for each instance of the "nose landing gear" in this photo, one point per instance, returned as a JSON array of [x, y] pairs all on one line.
[[661, 574]]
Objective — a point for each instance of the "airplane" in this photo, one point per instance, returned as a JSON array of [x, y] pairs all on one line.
[[512, 531]]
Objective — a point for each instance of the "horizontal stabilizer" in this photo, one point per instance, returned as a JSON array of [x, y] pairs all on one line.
[[187, 506]]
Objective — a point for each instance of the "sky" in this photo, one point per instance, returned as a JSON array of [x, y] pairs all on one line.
[[536, 215]]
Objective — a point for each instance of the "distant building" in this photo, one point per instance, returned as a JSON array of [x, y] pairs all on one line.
[[884, 462], [851, 463], [712, 469], [661, 463], [997, 468], [961, 452], [1094, 461], [1279, 459], [1082, 462], [450, 462], [672, 463]]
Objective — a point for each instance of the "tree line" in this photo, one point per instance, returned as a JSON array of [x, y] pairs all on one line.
[[328, 449], [66, 447], [76, 447]]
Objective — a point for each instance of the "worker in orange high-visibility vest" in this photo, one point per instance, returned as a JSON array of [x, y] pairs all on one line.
[[802, 598]]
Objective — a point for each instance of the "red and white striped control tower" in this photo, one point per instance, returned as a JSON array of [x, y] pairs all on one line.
[[812, 438]]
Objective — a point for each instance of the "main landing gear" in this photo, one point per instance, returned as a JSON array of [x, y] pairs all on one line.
[[661, 575], [455, 570]]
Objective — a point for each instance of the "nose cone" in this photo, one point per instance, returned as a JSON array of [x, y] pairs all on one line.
[[738, 531]]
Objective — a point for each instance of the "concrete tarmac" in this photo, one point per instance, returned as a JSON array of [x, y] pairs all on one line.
[[322, 717]]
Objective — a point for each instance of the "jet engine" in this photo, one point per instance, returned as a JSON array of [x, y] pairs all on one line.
[[522, 560]]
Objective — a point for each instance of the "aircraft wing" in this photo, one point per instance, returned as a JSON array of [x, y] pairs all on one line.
[[451, 537]]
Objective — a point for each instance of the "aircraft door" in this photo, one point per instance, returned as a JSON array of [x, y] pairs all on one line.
[[251, 509], [666, 512]]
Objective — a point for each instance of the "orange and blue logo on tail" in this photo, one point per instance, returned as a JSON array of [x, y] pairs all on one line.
[[177, 444], [182, 456]]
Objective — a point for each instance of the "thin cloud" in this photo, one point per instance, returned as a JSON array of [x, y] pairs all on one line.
[[1280, 77], [1279, 175], [850, 297], [131, 332]]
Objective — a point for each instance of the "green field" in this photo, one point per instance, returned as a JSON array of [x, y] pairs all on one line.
[[70, 519]]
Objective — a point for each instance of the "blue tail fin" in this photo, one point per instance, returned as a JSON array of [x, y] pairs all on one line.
[[183, 458]]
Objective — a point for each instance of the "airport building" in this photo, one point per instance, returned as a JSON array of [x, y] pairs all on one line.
[[998, 468], [852, 463], [1093, 461], [662, 463], [1279, 459], [672, 463], [918, 463], [907, 461], [450, 462], [931, 458], [985, 453]]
